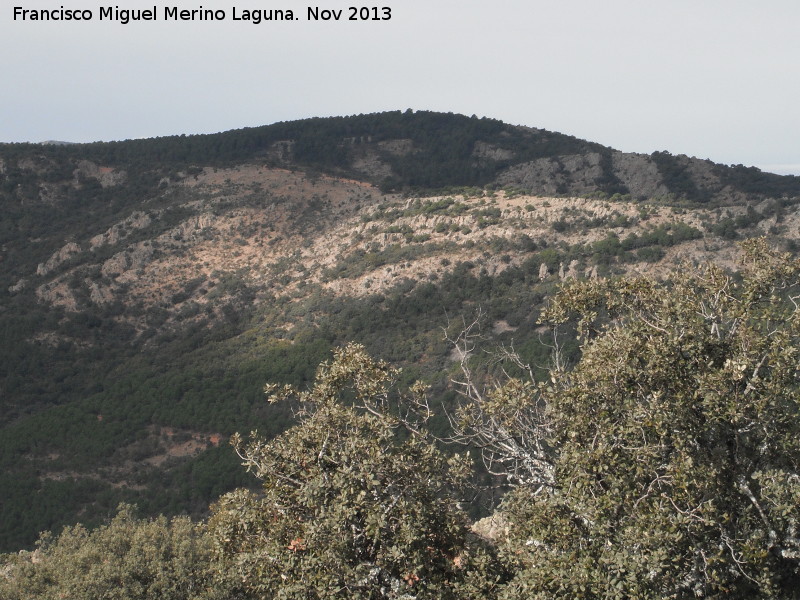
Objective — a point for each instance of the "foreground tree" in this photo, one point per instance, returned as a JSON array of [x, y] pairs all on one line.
[[675, 442], [357, 502], [127, 559]]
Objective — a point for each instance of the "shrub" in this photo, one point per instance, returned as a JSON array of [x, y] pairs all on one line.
[[356, 503], [127, 559]]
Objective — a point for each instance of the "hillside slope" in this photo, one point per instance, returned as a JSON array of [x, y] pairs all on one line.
[[150, 288]]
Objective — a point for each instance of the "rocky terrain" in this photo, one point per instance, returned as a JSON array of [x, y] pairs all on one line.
[[283, 232], [150, 288]]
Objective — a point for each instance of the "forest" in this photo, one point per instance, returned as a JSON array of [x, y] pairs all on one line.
[[443, 154]]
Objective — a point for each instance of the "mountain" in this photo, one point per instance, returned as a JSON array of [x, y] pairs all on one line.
[[149, 288]]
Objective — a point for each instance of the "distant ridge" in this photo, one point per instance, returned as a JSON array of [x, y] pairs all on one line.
[[790, 169], [422, 150], [426, 151]]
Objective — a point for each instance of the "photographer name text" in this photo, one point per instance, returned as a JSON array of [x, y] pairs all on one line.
[[255, 16]]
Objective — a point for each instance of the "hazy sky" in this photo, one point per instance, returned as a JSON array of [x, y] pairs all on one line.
[[716, 79]]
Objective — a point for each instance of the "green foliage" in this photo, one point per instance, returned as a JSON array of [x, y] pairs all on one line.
[[725, 228], [676, 442], [752, 180], [444, 206], [127, 559], [357, 502], [676, 177], [179, 379], [60, 371], [663, 235], [361, 261], [665, 464], [443, 148]]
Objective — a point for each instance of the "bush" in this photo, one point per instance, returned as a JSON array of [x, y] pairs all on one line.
[[356, 503], [128, 559], [675, 442]]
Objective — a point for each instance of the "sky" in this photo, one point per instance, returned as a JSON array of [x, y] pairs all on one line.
[[716, 79]]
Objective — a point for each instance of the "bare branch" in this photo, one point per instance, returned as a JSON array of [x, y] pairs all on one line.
[[505, 420]]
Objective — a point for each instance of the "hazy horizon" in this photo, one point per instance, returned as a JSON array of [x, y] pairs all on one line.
[[715, 80]]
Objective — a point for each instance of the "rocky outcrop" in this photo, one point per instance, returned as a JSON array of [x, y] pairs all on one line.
[[643, 176], [575, 174], [483, 151], [106, 176], [99, 294], [639, 174], [57, 293], [543, 272], [493, 528], [131, 258], [18, 287], [58, 258], [112, 236], [371, 165]]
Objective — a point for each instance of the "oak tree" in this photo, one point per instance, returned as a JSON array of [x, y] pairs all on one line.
[[675, 441], [357, 501]]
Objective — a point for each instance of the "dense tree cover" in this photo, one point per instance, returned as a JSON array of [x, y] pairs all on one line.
[[443, 155], [443, 145], [357, 502], [676, 176], [60, 370], [755, 181], [207, 375], [675, 466]]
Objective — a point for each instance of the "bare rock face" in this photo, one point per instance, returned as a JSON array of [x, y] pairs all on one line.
[[484, 151], [370, 159], [132, 258], [58, 257], [282, 152], [370, 164], [107, 176], [543, 272], [639, 174], [37, 164], [399, 147], [19, 286], [492, 528], [572, 271], [112, 236], [99, 294], [57, 293], [569, 174], [642, 176], [116, 265]]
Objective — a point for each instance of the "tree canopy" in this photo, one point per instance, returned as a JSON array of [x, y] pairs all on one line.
[[676, 441], [357, 502], [127, 559]]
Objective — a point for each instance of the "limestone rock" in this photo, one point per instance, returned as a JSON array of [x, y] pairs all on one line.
[[58, 257], [543, 272]]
